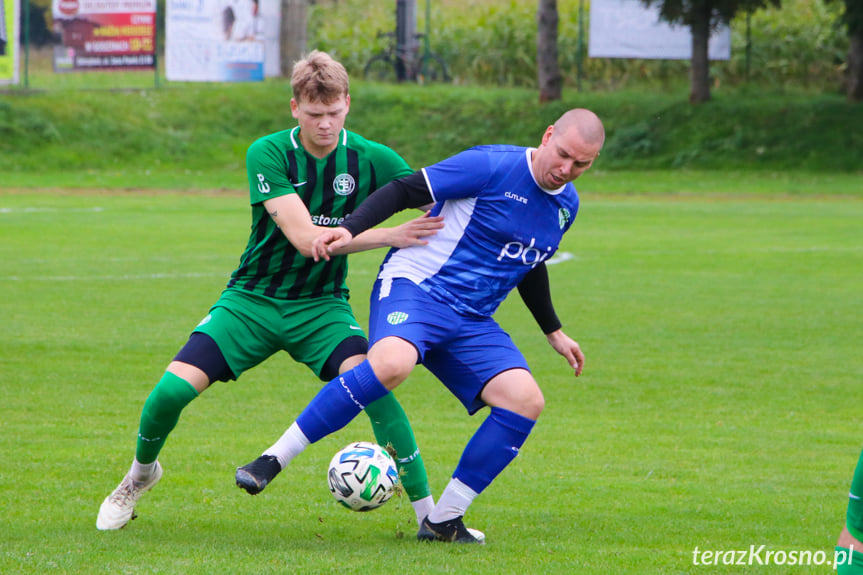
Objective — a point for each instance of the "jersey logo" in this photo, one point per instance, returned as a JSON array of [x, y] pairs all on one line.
[[263, 186], [529, 255], [344, 184], [322, 220], [397, 317], [563, 217], [516, 197]]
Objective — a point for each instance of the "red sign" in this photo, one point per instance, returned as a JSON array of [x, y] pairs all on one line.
[[68, 7]]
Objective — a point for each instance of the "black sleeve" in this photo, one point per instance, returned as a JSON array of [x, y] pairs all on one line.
[[534, 289], [408, 192]]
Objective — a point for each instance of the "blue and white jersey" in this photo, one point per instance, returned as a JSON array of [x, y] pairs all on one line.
[[498, 225]]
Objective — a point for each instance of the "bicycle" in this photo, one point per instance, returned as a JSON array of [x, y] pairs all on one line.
[[394, 64]]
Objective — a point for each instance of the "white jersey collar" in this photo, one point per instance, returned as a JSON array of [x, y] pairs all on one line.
[[295, 140]]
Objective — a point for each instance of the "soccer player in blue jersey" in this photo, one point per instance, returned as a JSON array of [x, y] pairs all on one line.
[[506, 209], [280, 298]]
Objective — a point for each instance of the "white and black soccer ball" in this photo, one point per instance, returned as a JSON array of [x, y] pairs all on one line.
[[363, 476]]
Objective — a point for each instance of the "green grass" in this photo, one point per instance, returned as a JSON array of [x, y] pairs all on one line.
[[719, 407], [196, 136]]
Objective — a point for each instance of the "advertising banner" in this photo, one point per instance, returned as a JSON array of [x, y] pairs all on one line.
[[221, 40], [9, 41], [628, 29], [100, 34]]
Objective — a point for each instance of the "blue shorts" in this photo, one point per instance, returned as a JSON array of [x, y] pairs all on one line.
[[464, 352]]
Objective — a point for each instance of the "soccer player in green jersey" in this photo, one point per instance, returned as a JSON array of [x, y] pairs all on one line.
[[848, 559], [279, 299]]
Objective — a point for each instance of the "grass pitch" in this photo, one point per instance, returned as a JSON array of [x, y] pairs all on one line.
[[719, 408]]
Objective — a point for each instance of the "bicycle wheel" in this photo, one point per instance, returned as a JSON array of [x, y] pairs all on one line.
[[433, 69], [380, 68]]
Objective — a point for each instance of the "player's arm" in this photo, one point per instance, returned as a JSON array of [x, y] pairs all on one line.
[[293, 218], [535, 291], [411, 233], [408, 192]]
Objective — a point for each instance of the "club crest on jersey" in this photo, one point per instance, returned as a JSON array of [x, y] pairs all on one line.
[[563, 217], [344, 184], [397, 317]]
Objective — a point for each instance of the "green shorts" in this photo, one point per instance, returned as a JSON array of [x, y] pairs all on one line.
[[249, 328]]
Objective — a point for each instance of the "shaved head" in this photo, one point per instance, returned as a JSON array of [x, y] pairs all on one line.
[[587, 123], [568, 148]]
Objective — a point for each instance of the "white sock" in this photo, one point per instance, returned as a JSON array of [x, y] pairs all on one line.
[[142, 472], [454, 501], [423, 507], [289, 445]]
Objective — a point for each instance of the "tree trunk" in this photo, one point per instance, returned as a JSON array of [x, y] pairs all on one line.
[[407, 43], [292, 39], [855, 68], [699, 82], [547, 68]]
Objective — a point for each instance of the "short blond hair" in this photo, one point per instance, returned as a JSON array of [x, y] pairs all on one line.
[[319, 78]]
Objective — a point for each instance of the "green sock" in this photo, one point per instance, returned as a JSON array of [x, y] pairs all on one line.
[[844, 566], [161, 413], [391, 427]]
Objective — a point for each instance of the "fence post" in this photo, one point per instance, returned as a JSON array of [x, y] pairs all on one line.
[[748, 41], [26, 44], [156, 45], [579, 57]]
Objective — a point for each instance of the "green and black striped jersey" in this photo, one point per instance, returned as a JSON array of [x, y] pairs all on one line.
[[331, 188]]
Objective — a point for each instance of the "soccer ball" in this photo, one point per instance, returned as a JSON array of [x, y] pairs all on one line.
[[363, 476]]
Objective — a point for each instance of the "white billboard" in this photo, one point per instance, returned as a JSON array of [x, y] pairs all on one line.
[[221, 40], [628, 29]]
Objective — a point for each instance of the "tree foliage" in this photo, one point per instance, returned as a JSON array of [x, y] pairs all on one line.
[[702, 16], [853, 16], [722, 11], [853, 20]]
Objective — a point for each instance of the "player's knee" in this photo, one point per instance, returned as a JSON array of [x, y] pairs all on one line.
[[533, 404], [528, 402], [516, 391], [392, 364], [390, 371]]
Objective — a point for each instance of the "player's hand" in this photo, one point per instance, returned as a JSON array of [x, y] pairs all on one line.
[[568, 348], [328, 241], [412, 233]]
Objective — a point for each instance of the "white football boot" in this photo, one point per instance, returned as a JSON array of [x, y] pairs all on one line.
[[119, 507]]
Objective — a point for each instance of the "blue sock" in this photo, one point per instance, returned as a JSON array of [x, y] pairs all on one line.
[[494, 445], [339, 401]]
